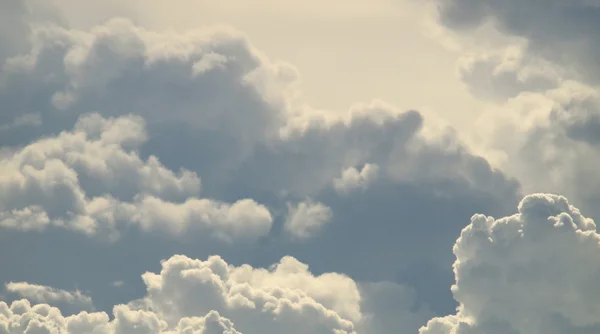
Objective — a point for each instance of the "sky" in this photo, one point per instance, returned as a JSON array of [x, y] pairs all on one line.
[[340, 167]]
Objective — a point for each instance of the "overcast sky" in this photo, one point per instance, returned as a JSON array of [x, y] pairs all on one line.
[[266, 167]]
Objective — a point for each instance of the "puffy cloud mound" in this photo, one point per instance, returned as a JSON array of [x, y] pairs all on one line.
[[352, 179], [532, 272], [92, 178], [194, 296], [214, 106], [551, 141], [287, 299], [306, 218]]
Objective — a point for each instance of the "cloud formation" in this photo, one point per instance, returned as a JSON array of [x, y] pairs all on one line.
[[502, 274], [543, 79], [549, 140], [352, 179], [532, 272], [563, 33], [212, 296], [92, 179], [305, 218], [123, 122], [236, 120]]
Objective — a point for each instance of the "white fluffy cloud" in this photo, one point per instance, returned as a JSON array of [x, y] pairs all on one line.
[[92, 179], [532, 272], [256, 301], [171, 107], [194, 296], [239, 110], [352, 179], [306, 218]]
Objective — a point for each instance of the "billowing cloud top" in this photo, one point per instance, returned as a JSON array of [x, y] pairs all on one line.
[[533, 272], [162, 180]]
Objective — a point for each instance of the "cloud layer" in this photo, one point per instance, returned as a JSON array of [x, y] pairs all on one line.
[[561, 32], [136, 117], [124, 144]]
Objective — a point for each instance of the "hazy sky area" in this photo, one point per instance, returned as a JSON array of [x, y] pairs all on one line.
[[301, 167]]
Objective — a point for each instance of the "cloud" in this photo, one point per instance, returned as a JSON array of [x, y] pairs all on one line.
[[168, 108], [49, 295], [352, 179], [545, 84], [239, 113], [214, 297], [306, 218], [279, 306], [127, 119], [532, 272], [560, 32], [92, 179], [244, 218], [550, 141], [71, 71]]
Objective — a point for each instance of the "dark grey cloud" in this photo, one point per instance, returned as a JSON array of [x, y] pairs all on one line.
[[559, 31], [547, 86]]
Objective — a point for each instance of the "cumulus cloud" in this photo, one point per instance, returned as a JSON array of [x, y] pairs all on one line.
[[91, 179], [550, 141], [532, 272], [170, 107], [352, 179], [281, 305], [306, 218], [213, 296], [244, 218], [238, 114], [545, 85]]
